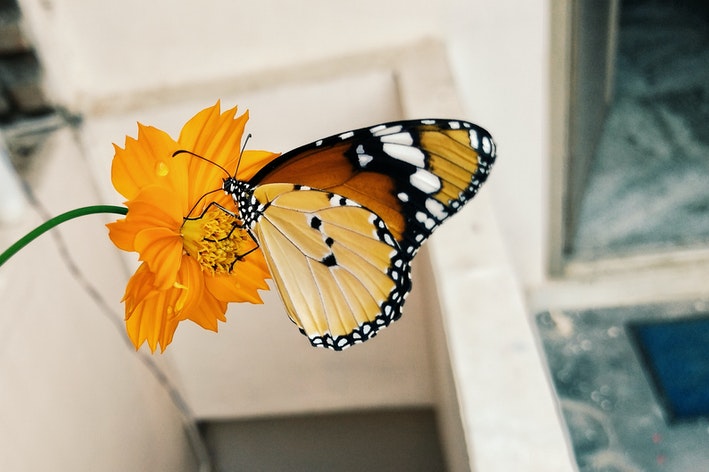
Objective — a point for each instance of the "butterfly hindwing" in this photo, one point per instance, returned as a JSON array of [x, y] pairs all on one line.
[[412, 174], [340, 272]]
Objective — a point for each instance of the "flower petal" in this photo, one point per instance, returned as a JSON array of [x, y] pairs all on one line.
[[208, 312], [140, 286], [161, 250], [232, 289], [217, 137], [150, 209], [122, 234], [243, 285], [196, 303], [251, 162], [143, 162], [155, 206], [151, 320], [144, 326]]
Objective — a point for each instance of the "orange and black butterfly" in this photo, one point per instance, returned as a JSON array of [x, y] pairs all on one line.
[[340, 220]]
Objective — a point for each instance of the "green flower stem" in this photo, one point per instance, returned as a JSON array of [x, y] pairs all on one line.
[[57, 220]]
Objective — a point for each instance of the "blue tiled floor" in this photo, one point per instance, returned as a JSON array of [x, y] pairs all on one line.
[[676, 355], [615, 418]]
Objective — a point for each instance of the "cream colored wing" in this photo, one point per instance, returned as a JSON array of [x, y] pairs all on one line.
[[337, 267]]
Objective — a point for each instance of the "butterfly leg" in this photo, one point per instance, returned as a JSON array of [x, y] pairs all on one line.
[[241, 257], [211, 204], [234, 225]]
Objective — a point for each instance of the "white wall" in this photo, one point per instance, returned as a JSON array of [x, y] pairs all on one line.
[[500, 54], [101, 49]]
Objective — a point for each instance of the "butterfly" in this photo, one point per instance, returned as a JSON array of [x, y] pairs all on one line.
[[340, 220]]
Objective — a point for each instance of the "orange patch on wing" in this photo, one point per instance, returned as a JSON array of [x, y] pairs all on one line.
[[328, 169], [320, 168], [454, 161]]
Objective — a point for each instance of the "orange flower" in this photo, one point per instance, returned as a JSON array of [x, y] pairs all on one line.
[[191, 251]]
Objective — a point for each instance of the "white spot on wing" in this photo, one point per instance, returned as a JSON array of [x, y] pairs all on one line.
[[388, 239], [399, 138], [363, 157], [346, 135], [403, 196], [424, 219], [412, 155], [318, 142], [436, 208], [454, 124], [425, 181], [487, 145], [428, 122], [383, 131], [474, 142]]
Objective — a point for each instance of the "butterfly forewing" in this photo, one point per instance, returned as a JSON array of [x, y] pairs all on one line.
[[339, 270], [412, 174]]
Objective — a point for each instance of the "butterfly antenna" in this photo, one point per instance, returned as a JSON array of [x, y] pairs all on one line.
[[248, 136], [184, 151]]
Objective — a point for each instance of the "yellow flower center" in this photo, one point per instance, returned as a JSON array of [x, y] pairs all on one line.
[[216, 241]]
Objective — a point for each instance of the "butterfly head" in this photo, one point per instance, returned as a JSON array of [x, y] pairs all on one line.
[[230, 186]]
